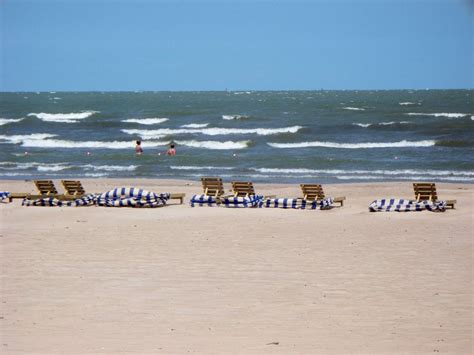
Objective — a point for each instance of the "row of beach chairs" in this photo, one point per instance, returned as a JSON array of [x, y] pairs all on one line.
[[214, 187]]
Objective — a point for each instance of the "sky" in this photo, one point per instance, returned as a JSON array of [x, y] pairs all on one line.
[[121, 45]]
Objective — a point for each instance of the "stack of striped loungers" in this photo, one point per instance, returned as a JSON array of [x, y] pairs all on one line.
[[261, 202], [402, 205], [119, 197]]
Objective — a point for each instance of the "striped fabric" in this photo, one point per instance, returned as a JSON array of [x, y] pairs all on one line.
[[4, 195], [298, 204], [204, 200], [243, 202], [401, 205], [88, 200], [132, 197]]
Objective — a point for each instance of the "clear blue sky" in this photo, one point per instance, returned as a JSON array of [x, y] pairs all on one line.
[[257, 45]]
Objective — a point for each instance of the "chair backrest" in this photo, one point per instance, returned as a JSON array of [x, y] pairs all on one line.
[[212, 186], [243, 188], [73, 187], [425, 191], [312, 192], [46, 187]]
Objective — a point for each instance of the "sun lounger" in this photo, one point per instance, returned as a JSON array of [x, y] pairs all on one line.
[[245, 189], [315, 192], [73, 187], [427, 192], [214, 193]]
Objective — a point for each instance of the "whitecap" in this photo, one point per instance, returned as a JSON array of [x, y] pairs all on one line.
[[195, 125], [215, 145], [363, 125], [57, 143], [201, 167], [354, 108], [401, 144], [441, 114], [73, 117], [146, 121], [234, 117], [4, 121], [407, 103], [16, 139], [145, 134], [110, 167]]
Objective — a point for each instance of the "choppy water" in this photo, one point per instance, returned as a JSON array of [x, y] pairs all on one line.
[[283, 136]]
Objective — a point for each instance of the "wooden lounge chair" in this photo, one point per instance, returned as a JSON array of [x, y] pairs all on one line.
[[73, 187], [245, 189], [426, 191], [213, 186], [315, 192]]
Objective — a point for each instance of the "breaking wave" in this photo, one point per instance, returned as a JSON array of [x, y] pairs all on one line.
[[58, 143], [401, 144], [366, 125], [201, 168], [234, 117], [215, 145], [4, 121], [19, 138], [195, 125], [441, 114], [63, 117], [148, 134], [146, 121], [353, 108]]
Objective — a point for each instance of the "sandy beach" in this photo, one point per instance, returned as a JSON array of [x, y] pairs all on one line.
[[205, 280]]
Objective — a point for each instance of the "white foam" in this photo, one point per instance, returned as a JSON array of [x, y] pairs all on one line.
[[363, 125], [215, 145], [441, 114], [4, 121], [233, 117], [354, 108], [401, 144], [147, 134], [146, 121], [408, 103], [110, 167], [16, 139], [58, 167], [201, 168], [58, 143], [195, 125], [63, 117], [420, 172]]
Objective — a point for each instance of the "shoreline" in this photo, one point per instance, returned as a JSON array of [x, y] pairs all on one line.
[[215, 280]]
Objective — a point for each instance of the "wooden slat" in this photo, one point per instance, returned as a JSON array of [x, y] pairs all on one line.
[[312, 192], [73, 187], [243, 188], [425, 191], [46, 187], [212, 186]]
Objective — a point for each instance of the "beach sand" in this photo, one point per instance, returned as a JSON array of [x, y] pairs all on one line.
[[252, 281]]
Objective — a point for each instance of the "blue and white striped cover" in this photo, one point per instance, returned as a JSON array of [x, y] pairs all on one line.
[[203, 200], [298, 204], [88, 200], [401, 205], [242, 202], [4, 195], [132, 197]]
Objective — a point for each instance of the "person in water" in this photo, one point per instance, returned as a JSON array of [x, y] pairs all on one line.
[[171, 150], [138, 148]]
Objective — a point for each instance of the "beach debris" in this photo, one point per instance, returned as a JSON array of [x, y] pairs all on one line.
[[274, 343]]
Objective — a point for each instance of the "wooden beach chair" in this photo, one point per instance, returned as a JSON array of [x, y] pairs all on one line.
[[315, 192], [73, 187], [426, 191], [245, 189], [213, 186]]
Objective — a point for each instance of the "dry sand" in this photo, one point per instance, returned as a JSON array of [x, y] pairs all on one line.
[[250, 281]]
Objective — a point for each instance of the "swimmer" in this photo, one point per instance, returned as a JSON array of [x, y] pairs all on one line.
[[171, 150], [138, 148]]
